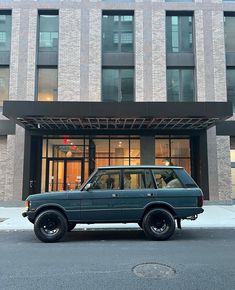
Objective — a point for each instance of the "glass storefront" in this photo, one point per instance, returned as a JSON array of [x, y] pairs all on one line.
[[173, 151], [68, 160]]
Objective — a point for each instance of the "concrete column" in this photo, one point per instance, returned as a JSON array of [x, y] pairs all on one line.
[[95, 52], [139, 56], [69, 55], [3, 163], [14, 60], [199, 54], [212, 164], [224, 168], [31, 65], [147, 150], [159, 56], [219, 56]]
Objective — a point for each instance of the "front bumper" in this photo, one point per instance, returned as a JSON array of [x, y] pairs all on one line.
[[30, 215]]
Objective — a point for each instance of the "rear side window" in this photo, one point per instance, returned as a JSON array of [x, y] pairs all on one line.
[[185, 178], [138, 179], [166, 178]]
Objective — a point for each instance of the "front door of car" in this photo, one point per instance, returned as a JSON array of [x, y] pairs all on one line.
[[101, 202]]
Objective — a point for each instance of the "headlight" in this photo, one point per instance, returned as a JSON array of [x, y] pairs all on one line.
[[27, 204]]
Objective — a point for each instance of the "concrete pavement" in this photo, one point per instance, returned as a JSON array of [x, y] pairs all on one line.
[[214, 216]]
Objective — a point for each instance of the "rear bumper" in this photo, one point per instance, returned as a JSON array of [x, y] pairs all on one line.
[[183, 213]]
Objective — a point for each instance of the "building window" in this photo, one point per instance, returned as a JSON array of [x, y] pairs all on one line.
[[5, 32], [179, 33], [180, 85], [231, 86], [4, 84], [118, 85], [47, 84], [48, 32], [117, 33], [172, 151]]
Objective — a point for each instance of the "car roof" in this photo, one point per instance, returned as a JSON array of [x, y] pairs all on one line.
[[140, 167]]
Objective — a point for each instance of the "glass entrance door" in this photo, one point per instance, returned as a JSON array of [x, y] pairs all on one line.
[[64, 174]]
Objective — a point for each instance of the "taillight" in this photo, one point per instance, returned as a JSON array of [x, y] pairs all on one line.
[[200, 201]]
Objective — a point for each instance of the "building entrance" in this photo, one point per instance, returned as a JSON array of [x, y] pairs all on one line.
[[64, 173]]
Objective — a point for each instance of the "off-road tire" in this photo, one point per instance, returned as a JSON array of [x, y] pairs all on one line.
[[50, 226], [158, 224]]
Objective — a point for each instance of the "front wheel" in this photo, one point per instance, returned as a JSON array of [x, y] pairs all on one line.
[[158, 224], [50, 226]]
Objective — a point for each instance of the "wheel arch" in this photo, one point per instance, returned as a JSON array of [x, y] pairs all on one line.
[[161, 205], [52, 207]]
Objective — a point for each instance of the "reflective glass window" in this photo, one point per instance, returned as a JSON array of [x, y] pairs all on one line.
[[47, 84], [229, 31], [231, 86], [179, 33], [180, 85], [5, 32], [48, 32], [118, 85], [117, 33], [4, 85]]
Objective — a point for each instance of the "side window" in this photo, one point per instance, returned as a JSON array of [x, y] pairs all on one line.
[[138, 179], [106, 180], [166, 178]]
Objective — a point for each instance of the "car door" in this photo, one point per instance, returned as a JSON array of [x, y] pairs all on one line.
[[138, 191], [100, 202]]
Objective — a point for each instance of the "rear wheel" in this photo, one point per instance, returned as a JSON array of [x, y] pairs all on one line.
[[50, 226], [158, 224]]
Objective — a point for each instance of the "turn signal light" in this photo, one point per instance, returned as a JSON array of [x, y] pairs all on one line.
[[27, 204]]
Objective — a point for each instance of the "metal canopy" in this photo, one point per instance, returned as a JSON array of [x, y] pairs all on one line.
[[73, 116]]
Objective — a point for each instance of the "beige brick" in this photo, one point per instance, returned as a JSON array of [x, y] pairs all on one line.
[[159, 56], [69, 55]]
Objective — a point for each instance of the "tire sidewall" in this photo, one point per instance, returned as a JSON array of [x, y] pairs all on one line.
[[41, 235], [158, 236]]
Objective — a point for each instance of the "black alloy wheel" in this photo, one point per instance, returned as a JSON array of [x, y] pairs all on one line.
[[158, 224], [50, 226]]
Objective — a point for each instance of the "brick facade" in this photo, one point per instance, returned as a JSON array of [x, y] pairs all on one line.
[[80, 63]]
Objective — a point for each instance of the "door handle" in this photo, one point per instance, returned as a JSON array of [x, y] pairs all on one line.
[[150, 194], [114, 195]]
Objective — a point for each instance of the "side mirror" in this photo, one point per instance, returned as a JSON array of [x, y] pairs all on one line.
[[88, 186]]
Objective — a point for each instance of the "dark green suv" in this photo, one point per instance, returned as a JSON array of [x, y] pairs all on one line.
[[152, 196]]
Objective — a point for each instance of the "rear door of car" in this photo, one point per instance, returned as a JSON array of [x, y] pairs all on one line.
[[138, 191]]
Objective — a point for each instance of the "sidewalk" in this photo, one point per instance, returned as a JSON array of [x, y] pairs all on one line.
[[214, 216]]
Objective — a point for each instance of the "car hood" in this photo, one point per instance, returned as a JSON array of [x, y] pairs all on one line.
[[49, 195]]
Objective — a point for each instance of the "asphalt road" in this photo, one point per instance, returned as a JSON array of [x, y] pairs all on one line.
[[199, 259]]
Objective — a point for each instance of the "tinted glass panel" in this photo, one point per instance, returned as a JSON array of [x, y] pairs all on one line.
[[117, 33], [180, 85], [118, 85], [47, 84], [166, 178], [231, 86], [5, 32], [4, 84], [109, 179], [229, 31], [48, 32], [134, 179], [179, 33]]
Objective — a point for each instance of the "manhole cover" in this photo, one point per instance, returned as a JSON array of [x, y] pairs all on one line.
[[154, 271]]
